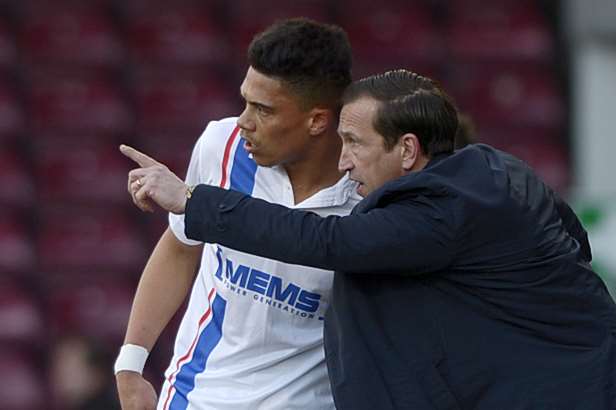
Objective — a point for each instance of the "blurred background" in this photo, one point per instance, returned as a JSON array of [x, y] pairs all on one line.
[[77, 78]]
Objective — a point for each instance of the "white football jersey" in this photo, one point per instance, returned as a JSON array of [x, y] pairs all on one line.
[[252, 335]]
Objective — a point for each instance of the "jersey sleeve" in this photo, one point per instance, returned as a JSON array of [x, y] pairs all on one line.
[[204, 167]]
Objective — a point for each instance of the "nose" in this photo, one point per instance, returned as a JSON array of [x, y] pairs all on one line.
[[345, 163], [245, 122]]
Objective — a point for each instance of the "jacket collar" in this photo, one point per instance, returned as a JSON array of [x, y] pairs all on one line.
[[436, 159]]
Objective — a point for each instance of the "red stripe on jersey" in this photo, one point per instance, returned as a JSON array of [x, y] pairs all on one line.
[[225, 159], [192, 345]]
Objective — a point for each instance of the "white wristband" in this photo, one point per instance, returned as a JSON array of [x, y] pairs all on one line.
[[131, 358]]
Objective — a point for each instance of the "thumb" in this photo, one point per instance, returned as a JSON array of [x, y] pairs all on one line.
[[139, 157]]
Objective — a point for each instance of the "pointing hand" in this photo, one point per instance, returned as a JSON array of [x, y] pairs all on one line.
[[153, 183]]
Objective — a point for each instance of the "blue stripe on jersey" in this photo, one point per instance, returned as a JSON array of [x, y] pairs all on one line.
[[243, 171], [209, 338]]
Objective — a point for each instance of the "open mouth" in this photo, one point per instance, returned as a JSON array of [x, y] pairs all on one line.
[[360, 185], [248, 146]]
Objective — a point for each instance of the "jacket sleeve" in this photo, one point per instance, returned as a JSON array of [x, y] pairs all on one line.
[[404, 237]]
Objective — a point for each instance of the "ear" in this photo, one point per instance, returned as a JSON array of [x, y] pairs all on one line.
[[410, 151], [319, 121]]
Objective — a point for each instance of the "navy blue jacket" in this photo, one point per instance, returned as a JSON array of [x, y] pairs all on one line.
[[466, 285]]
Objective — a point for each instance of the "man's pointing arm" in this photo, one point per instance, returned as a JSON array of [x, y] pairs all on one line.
[[395, 239]]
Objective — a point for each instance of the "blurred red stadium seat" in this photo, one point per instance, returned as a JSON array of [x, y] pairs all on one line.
[[79, 102], [89, 239], [502, 95], [8, 48], [156, 224], [12, 117], [86, 169], [396, 33], [16, 183], [20, 315], [17, 252], [508, 30], [94, 306], [246, 18], [548, 159], [172, 148], [176, 36], [172, 100], [22, 386], [142, 6], [521, 135], [70, 35]]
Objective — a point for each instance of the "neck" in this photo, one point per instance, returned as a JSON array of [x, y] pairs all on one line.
[[421, 163], [317, 169]]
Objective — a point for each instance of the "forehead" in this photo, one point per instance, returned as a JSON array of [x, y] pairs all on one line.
[[357, 117], [259, 87]]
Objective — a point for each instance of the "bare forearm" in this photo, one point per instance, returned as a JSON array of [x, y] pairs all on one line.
[[164, 284]]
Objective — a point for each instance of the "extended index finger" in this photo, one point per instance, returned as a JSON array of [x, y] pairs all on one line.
[[139, 157]]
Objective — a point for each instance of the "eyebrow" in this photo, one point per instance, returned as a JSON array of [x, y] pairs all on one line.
[[255, 103], [347, 134]]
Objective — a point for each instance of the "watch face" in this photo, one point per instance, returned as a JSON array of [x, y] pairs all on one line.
[[189, 191]]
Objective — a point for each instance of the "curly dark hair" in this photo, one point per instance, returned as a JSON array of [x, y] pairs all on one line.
[[409, 103], [314, 59]]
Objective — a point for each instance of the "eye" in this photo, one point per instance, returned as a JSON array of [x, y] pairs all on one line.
[[262, 110]]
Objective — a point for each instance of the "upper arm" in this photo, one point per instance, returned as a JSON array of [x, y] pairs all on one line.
[[174, 256]]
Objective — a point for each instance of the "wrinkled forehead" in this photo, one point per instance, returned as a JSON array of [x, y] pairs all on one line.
[[357, 117]]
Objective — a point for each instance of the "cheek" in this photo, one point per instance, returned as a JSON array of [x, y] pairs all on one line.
[[267, 131], [274, 129], [386, 167], [372, 159], [394, 167]]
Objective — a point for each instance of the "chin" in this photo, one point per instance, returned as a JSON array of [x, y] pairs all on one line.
[[263, 162], [361, 191]]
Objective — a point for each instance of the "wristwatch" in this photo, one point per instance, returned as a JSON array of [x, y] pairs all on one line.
[[189, 191]]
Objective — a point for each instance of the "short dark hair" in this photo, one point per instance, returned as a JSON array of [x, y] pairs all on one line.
[[409, 103], [467, 131], [314, 59]]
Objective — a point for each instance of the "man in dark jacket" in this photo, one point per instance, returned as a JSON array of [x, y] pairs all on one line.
[[462, 281]]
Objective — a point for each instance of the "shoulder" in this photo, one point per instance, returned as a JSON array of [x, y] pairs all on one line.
[[475, 168], [218, 133], [215, 138], [210, 149], [477, 154], [445, 180]]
